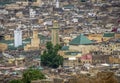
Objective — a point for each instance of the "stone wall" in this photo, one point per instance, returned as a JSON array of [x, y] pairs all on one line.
[[102, 77]]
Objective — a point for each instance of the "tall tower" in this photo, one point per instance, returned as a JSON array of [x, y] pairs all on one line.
[[17, 37], [35, 42], [57, 4], [55, 33]]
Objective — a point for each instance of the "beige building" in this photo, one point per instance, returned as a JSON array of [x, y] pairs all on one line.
[[16, 61], [66, 40], [96, 37], [3, 47], [8, 37], [98, 1], [35, 42], [19, 14], [114, 60], [103, 36], [37, 3], [13, 6], [24, 3], [40, 21]]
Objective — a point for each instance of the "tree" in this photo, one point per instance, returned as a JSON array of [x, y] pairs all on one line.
[[32, 74], [50, 57], [16, 81]]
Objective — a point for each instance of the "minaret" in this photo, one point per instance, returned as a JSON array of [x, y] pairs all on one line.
[[17, 37], [35, 34], [35, 42], [55, 33], [57, 4]]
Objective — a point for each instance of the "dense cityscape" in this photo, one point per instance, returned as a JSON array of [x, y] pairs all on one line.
[[59, 41]]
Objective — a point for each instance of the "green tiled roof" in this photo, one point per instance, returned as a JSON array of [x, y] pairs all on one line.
[[5, 2], [108, 34], [65, 48], [68, 6], [83, 0], [80, 40], [72, 53]]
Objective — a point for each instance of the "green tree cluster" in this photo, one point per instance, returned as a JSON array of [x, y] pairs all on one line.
[[32, 74], [50, 57], [29, 75], [16, 81]]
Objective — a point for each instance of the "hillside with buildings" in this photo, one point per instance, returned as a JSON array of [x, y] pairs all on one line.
[[88, 32]]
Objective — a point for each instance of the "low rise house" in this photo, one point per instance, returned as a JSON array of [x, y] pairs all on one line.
[[87, 58], [107, 36]]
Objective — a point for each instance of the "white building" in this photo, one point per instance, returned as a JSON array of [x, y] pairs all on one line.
[[32, 13], [17, 37], [75, 20], [48, 23], [3, 11], [57, 4]]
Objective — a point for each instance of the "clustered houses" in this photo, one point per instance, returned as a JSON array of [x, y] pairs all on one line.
[[95, 18], [88, 30], [81, 50]]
